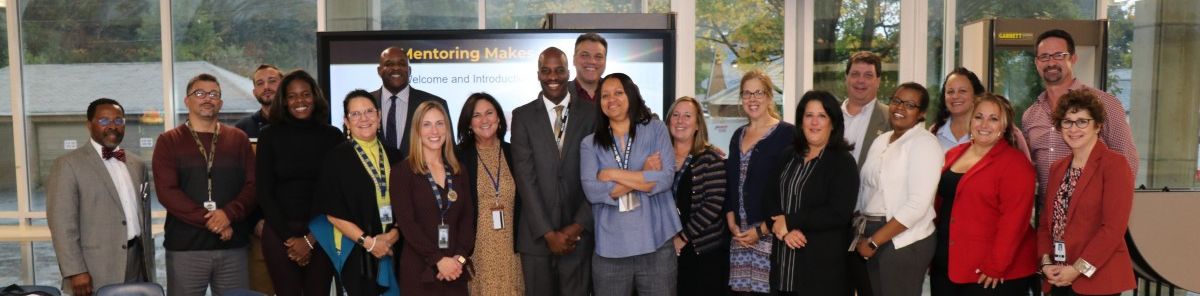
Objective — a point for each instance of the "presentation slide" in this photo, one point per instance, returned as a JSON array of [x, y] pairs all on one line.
[[454, 64]]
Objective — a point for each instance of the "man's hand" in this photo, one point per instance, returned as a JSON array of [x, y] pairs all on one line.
[[81, 284], [217, 220], [558, 243], [226, 233]]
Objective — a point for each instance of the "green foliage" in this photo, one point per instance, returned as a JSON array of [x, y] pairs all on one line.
[[530, 14], [750, 30]]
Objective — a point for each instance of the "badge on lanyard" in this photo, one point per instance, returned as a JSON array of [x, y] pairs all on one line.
[[385, 214], [210, 206], [1060, 251], [443, 236], [497, 219]]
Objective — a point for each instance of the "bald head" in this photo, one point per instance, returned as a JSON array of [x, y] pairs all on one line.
[[393, 69], [553, 73]]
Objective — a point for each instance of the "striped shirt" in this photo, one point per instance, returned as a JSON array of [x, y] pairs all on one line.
[[1047, 144], [700, 197]]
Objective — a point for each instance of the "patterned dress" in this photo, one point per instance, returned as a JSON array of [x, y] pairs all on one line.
[[749, 267], [497, 265]]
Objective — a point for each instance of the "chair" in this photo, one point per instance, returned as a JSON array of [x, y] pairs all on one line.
[[241, 292], [141, 289], [32, 290]]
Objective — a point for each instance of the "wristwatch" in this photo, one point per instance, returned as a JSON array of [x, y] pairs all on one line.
[[461, 259], [871, 244], [362, 240]]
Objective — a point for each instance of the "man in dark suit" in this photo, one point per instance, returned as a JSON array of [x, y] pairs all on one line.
[[399, 100], [591, 56], [96, 197], [554, 236]]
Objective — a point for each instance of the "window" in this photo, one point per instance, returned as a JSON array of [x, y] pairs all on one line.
[[8, 178], [732, 38], [230, 41], [842, 28], [529, 14], [76, 52]]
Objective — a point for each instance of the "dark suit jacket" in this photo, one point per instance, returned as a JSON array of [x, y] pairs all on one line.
[[87, 222], [990, 231], [469, 158], [415, 98], [548, 181], [1097, 219], [827, 202]]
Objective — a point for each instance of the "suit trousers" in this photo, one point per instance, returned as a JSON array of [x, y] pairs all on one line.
[[135, 268], [651, 274], [553, 275], [192, 272]]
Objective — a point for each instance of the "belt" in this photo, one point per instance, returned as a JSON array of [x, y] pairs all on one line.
[[859, 224]]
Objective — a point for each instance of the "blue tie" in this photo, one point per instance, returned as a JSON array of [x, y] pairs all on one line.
[[392, 135]]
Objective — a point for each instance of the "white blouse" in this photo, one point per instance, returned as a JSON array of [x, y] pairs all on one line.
[[899, 180]]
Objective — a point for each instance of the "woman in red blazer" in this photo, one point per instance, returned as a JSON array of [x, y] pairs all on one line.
[[985, 199], [1086, 211]]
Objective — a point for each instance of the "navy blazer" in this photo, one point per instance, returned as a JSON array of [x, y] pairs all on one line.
[[765, 157]]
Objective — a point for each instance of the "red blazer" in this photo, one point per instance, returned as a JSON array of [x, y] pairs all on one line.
[[1097, 219], [990, 229]]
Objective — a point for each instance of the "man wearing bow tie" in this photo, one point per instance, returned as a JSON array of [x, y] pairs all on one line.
[[96, 197]]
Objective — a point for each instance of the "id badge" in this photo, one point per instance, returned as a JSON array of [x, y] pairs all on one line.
[[1060, 251], [210, 206], [443, 236], [385, 215], [497, 219]]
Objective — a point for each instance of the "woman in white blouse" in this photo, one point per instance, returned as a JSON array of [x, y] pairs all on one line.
[[895, 201]]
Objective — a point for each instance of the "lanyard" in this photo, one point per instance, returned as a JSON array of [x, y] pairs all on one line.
[[377, 170], [499, 172], [679, 173], [443, 207], [209, 156], [623, 160]]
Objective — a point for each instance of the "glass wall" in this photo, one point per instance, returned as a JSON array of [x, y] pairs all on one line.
[[732, 38], [108, 49], [229, 39], [844, 27], [529, 14], [8, 176], [429, 14]]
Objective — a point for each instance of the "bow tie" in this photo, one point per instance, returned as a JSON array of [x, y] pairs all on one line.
[[109, 153]]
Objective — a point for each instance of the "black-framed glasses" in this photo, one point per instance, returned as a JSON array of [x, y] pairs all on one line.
[[369, 113], [119, 121], [1058, 56], [1081, 123], [905, 105], [754, 94], [216, 94]]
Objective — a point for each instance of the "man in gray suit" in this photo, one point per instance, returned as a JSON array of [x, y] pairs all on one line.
[[866, 119], [97, 197], [399, 99], [554, 233]]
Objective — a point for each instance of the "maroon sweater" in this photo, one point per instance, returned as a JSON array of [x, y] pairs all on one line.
[[182, 186]]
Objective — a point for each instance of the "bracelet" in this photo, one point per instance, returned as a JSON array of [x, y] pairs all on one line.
[[307, 242], [758, 229], [373, 243]]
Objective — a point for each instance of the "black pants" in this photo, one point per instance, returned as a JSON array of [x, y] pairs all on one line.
[[290, 278], [856, 274], [1066, 291], [703, 274], [940, 285]]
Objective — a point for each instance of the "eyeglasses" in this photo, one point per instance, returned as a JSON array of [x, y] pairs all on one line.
[[368, 114], [754, 95], [906, 105], [1058, 56], [216, 94], [1081, 123], [120, 121]]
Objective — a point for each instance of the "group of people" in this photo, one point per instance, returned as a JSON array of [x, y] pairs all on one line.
[[597, 195]]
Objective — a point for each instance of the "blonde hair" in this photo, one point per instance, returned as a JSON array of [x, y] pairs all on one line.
[[770, 90], [416, 154], [700, 142]]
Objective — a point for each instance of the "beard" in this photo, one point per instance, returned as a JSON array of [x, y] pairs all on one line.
[[1052, 77]]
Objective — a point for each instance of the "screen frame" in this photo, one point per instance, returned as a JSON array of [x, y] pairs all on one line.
[[324, 39]]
